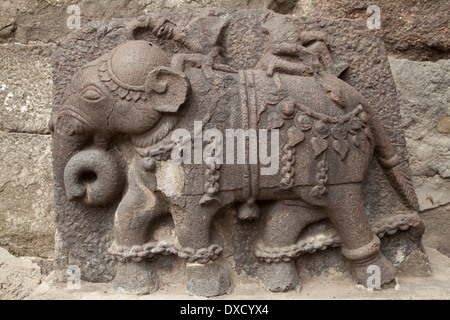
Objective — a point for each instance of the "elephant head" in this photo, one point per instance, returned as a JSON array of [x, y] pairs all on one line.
[[126, 91]]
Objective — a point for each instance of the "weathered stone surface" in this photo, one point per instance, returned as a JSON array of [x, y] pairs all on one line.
[[19, 277], [415, 265], [432, 192], [281, 6], [25, 88], [26, 194], [323, 263], [398, 247], [46, 21], [437, 222], [8, 20], [417, 30], [443, 125], [46, 264], [423, 93]]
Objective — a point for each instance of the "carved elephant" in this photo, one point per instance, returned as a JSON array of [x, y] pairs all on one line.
[[327, 135]]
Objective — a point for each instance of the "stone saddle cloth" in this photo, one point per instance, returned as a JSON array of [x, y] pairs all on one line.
[[321, 141]]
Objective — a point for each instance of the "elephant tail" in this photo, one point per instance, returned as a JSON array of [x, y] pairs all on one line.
[[390, 161], [400, 179]]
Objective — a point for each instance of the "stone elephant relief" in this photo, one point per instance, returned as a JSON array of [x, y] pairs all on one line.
[[322, 135]]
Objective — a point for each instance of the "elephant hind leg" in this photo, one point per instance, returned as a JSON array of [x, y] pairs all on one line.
[[283, 222], [282, 227], [348, 216]]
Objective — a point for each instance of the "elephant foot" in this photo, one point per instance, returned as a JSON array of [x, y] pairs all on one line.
[[279, 276], [207, 280], [370, 267], [374, 273], [135, 278]]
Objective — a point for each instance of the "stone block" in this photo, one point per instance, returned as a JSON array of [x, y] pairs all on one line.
[[46, 21], [8, 14], [26, 194], [417, 31], [25, 88], [432, 192], [423, 94], [19, 277], [437, 224]]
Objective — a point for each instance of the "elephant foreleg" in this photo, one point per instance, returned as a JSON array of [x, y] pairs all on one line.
[[359, 245], [205, 275], [194, 231], [135, 213]]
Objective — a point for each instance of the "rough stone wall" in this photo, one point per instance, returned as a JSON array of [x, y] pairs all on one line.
[[413, 29], [416, 39]]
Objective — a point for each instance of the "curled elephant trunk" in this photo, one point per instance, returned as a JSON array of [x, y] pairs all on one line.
[[94, 176]]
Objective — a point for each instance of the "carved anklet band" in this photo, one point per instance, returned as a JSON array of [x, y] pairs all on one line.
[[202, 255], [287, 253], [330, 238], [137, 253], [391, 162], [363, 252]]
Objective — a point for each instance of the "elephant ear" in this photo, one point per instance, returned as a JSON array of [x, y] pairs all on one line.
[[167, 89]]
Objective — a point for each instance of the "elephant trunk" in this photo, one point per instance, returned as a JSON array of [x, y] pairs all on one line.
[[94, 176], [91, 174]]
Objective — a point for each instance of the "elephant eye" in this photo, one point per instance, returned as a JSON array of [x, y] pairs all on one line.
[[92, 94]]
